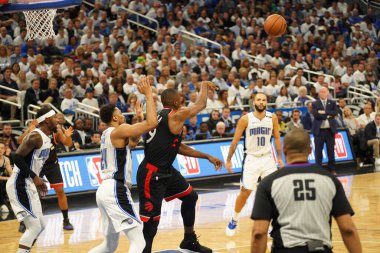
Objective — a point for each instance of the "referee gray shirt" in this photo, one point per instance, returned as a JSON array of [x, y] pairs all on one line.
[[300, 200]]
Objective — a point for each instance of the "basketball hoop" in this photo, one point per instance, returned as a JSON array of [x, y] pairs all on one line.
[[39, 15]]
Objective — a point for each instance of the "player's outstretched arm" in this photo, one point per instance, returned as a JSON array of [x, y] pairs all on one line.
[[349, 233], [277, 140], [31, 141], [136, 130], [187, 112], [187, 151], [240, 128]]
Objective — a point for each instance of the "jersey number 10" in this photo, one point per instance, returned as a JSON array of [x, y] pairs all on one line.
[[260, 141]]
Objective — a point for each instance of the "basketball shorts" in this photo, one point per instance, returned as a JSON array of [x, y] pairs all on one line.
[[23, 196], [256, 167], [53, 174], [116, 207], [154, 187]]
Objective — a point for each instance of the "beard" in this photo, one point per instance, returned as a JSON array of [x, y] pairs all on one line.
[[260, 109]]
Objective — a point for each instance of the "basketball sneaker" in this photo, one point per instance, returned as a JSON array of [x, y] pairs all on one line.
[[190, 244], [67, 225], [231, 228]]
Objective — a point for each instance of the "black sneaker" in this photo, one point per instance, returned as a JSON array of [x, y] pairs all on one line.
[[22, 227], [192, 245], [67, 225]]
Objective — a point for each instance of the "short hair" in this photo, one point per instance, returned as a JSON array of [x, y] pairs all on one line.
[[167, 97], [106, 113], [297, 140], [96, 132], [296, 110], [68, 77], [377, 114]]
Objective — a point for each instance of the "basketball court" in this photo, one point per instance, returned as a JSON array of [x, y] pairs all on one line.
[[214, 209]]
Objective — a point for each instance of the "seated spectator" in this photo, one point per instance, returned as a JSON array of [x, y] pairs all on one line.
[[114, 100], [68, 84], [88, 127], [51, 95], [220, 131], [372, 135], [192, 126], [281, 123], [350, 121], [237, 94], [5, 173], [33, 95], [222, 100], [307, 119], [367, 116], [89, 99], [185, 134], [8, 111], [95, 142], [226, 119], [303, 97], [213, 120], [202, 133], [103, 99], [283, 99], [69, 104], [219, 81], [212, 103], [8, 138], [79, 135], [295, 121]]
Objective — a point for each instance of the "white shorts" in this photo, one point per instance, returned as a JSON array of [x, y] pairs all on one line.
[[255, 167], [23, 196], [116, 207]]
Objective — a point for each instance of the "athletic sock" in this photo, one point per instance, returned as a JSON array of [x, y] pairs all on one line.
[[236, 216], [65, 214]]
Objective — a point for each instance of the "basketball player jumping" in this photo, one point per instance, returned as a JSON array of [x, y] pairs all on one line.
[[113, 196], [25, 184], [258, 126], [52, 170], [157, 179]]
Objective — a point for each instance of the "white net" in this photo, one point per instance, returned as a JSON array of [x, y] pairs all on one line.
[[39, 24]]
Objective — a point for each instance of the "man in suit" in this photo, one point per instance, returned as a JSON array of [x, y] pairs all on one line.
[[308, 118], [372, 135], [32, 95], [324, 128], [295, 121]]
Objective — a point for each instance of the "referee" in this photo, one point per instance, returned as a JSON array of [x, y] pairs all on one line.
[[300, 200]]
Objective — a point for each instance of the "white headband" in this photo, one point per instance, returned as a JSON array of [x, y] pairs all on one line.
[[45, 116]]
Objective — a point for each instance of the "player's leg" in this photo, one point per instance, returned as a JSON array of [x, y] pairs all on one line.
[[319, 141], [151, 187], [179, 188], [136, 238], [54, 176], [26, 205], [330, 144], [248, 181], [111, 237]]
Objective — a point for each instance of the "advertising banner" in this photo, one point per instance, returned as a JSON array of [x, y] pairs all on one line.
[[81, 172]]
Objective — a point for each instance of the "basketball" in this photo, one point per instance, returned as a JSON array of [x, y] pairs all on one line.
[[275, 25]]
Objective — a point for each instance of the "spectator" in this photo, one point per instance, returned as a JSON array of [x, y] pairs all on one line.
[[226, 119], [114, 99], [5, 173], [212, 103], [295, 121], [51, 95], [33, 95], [192, 127], [8, 138], [203, 132], [185, 134], [359, 76], [350, 121], [11, 96], [68, 84], [367, 116], [283, 99], [237, 94], [69, 104], [303, 97], [95, 142], [79, 135], [372, 135], [220, 131], [281, 124], [213, 120]]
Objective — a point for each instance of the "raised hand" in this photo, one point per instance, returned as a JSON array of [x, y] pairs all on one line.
[[211, 85], [68, 131], [139, 110], [144, 86]]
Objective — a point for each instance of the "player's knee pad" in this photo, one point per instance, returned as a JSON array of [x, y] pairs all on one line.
[[190, 199]]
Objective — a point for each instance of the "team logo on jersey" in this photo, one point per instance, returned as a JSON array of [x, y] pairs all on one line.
[[148, 206], [93, 168], [340, 146], [129, 221], [188, 165]]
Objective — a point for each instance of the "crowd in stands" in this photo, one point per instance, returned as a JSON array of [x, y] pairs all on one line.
[[97, 58]]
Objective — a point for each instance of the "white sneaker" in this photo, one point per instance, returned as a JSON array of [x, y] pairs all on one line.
[[4, 209], [231, 228]]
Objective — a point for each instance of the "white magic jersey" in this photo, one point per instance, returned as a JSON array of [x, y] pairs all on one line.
[[39, 155], [258, 134], [116, 163]]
